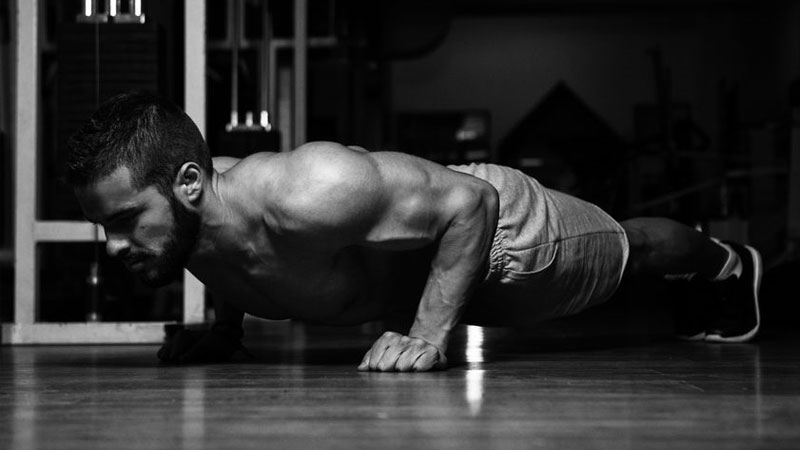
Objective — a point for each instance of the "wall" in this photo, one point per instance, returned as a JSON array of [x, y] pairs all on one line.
[[506, 63]]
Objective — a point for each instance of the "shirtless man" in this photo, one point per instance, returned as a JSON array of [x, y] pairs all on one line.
[[315, 234]]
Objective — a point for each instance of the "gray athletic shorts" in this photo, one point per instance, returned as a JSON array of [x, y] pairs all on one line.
[[553, 254]]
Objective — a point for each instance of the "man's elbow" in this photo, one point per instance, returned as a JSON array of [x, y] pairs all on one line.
[[491, 200], [477, 199]]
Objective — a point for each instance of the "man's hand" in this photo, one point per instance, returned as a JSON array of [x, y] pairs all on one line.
[[395, 352], [202, 346]]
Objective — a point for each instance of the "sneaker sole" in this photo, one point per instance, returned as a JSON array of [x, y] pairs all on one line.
[[701, 336], [757, 268]]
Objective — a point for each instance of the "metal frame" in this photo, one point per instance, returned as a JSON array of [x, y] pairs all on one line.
[[300, 70], [292, 119], [29, 231], [195, 107]]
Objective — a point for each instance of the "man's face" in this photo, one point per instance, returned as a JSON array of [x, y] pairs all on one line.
[[152, 235]]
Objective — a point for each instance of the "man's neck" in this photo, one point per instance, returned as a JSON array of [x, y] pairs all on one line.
[[216, 214]]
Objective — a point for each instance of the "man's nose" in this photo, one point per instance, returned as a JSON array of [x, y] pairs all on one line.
[[116, 245]]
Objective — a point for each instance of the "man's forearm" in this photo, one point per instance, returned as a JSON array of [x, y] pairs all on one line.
[[457, 267], [442, 304]]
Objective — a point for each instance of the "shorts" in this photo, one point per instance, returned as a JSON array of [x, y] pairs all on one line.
[[552, 254]]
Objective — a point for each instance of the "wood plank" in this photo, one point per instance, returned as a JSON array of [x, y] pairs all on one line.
[[552, 388]]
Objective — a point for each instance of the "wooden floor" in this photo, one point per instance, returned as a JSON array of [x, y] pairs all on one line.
[[565, 386]]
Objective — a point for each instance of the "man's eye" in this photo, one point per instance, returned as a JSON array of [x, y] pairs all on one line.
[[122, 221]]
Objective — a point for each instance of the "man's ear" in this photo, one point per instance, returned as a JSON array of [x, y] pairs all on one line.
[[188, 183]]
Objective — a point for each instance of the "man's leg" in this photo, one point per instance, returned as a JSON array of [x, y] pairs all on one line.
[[667, 248]]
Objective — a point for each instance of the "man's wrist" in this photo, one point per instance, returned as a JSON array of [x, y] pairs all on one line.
[[436, 337]]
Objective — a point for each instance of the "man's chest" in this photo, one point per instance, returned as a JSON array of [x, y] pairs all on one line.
[[279, 283]]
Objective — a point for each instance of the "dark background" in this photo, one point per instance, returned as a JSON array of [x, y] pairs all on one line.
[[675, 108]]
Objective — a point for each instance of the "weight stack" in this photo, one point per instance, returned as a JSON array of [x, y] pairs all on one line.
[[96, 62], [241, 143]]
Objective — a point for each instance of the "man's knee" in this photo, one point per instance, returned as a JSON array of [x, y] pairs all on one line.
[[636, 240], [637, 232]]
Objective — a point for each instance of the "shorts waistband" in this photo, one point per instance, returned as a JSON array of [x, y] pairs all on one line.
[[497, 256]]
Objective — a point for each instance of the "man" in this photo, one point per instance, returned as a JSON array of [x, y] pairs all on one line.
[[315, 234]]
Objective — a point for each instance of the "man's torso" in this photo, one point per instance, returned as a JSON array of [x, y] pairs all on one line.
[[267, 271]]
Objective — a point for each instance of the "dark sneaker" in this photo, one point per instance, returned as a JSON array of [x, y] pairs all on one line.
[[736, 317], [690, 299]]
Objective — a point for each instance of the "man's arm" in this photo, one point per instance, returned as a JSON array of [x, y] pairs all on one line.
[[395, 201], [457, 267]]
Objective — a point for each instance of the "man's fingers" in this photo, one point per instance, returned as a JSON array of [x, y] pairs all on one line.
[[376, 355], [365, 362], [389, 359], [398, 347], [426, 360], [406, 361], [394, 352], [379, 348]]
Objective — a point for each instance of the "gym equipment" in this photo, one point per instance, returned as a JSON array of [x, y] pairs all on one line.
[[242, 139]]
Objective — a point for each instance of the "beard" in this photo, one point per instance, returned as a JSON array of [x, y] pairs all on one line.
[[168, 266]]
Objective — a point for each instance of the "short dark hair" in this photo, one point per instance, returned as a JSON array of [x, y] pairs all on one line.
[[148, 134]]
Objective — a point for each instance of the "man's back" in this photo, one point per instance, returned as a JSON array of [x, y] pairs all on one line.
[[310, 234]]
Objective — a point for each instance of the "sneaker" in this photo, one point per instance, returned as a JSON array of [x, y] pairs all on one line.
[[737, 316], [690, 299]]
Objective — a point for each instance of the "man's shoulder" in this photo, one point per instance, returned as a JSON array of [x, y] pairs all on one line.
[[312, 171], [323, 182], [327, 162], [324, 151]]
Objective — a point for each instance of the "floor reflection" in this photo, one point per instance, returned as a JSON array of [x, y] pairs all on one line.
[[25, 400], [473, 353], [193, 409], [303, 391], [474, 390], [757, 391]]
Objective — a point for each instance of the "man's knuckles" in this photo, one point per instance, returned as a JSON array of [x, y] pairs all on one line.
[[386, 365], [425, 362], [389, 338], [407, 361], [396, 352]]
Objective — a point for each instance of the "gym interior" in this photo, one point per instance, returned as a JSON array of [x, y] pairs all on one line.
[[687, 109]]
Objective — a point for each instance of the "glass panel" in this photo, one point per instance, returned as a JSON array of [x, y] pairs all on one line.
[[6, 292], [86, 59], [71, 293], [345, 97], [6, 172]]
